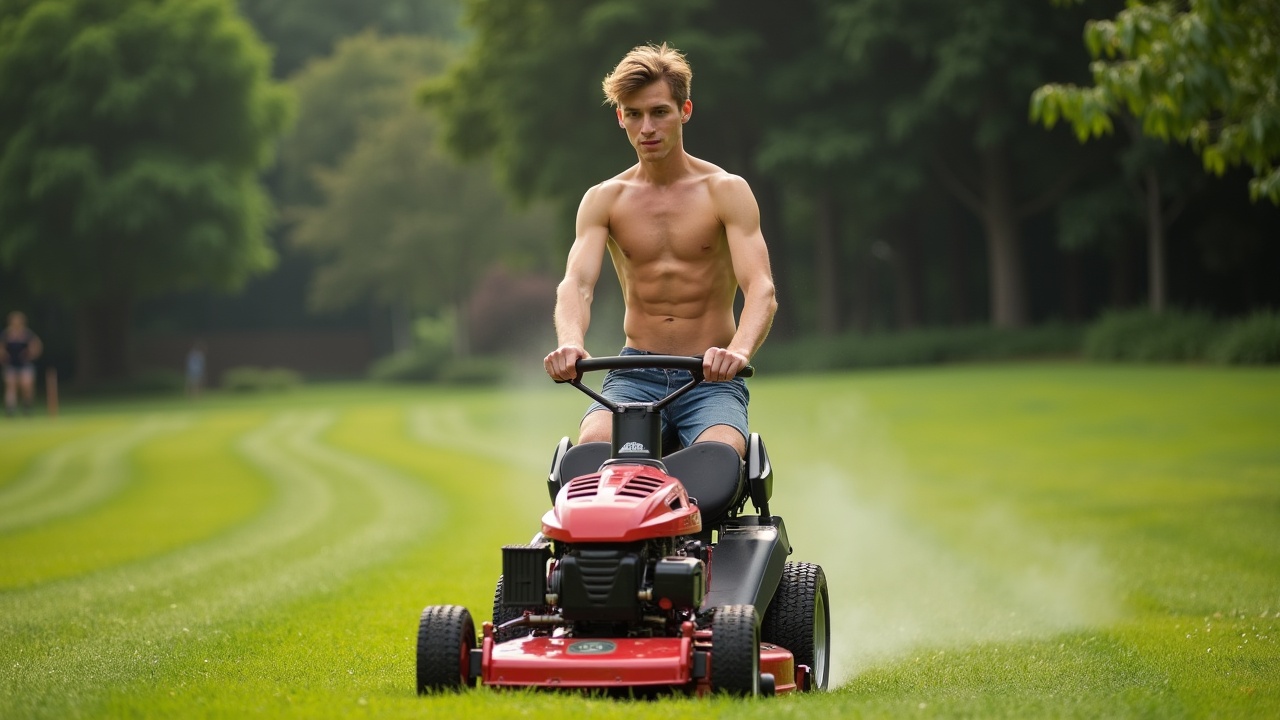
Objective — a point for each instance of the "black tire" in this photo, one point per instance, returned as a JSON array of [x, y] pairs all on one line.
[[446, 636], [799, 619], [504, 614], [735, 651]]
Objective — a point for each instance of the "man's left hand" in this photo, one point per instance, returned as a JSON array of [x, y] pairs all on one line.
[[720, 364]]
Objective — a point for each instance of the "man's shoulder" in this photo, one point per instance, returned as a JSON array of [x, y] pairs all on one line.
[[611, 188]]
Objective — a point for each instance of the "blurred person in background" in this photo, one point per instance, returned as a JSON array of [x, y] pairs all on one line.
[[18, 353], [195, 369]]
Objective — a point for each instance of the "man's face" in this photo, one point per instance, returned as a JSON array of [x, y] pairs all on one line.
[[653, 120]]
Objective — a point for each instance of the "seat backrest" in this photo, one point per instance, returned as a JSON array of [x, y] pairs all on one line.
[[573, 461], [759, 473], [711, 472]]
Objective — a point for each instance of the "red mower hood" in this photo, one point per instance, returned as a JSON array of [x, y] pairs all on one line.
[[622, 503]]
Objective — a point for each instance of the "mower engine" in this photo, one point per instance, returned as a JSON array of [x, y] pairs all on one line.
[[621, 562]]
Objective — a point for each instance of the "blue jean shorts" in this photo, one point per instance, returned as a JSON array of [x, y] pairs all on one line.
[[708, 404]]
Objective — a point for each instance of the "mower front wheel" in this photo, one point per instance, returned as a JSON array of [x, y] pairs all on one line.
[[735, 651], [446, 636], [799, 619]]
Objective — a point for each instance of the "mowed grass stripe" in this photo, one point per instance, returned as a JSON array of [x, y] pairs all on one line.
[[23, 442], [332, 515], [350, 652], [175, 487], [77, 475]]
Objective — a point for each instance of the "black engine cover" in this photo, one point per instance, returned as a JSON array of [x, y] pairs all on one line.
[[600, 584]]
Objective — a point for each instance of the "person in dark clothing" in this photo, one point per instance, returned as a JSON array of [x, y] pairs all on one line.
[[18, 353]]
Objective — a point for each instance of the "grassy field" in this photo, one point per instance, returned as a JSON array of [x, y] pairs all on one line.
[[1000, 541]]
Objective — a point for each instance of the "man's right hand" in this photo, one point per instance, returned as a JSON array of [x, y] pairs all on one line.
[[562, 363]]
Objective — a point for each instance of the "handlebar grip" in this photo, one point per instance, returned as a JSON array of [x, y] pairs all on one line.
[[630, 362]]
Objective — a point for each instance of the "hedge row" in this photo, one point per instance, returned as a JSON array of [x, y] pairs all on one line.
[[1129, 336], [1175, 336]]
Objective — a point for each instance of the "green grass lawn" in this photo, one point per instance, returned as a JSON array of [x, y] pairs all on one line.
[[1020, 540]]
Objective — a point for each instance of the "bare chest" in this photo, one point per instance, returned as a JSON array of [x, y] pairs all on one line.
[[673, 223]]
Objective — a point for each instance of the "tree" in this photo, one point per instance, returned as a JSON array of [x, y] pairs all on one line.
[[406, 226], [133, 133], [389, 218], [1205, 76], [1202, 73], [301, 30], [957, 107], [368, 79]]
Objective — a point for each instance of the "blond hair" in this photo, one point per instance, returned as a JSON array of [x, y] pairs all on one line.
[[646, 64]]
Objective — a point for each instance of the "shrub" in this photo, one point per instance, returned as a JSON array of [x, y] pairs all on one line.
[[509, 311], [475, 371], [247, 378], [413, 365], [1145, 336], [152, 381], [919, 347], [1254, 340]]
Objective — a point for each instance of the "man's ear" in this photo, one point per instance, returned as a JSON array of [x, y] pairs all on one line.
[[618, 112], [686, 110]]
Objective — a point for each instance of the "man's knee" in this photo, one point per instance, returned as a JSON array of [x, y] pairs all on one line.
[[596, 427], [726, 434]]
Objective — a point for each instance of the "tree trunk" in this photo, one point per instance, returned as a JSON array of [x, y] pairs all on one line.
[[864, 292], [907, 274], [1156, 293], [957, 270], [1004, 246], [1121, 285], [1072, 286], [102, 340], [825, 268]]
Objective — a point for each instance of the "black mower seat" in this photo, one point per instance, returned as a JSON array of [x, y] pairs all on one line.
[[712, 474], [581, 460], [710, 471]]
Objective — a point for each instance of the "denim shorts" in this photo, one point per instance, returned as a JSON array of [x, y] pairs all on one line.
[[708, 404]]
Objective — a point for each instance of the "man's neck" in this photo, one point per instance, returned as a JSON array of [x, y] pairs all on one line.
[[666, 171]]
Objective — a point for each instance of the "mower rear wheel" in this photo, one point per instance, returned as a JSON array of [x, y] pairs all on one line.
[[505, 614], [799, 619], [446, 636], [735, 651]]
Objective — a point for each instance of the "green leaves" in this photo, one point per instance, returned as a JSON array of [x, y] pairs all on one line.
[[388, 215], [133, 132], [1204, 75]]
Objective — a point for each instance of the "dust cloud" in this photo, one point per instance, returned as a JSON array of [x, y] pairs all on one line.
[[899, 586]]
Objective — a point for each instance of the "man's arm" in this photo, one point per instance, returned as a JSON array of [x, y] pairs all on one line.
[[741, 217], [576, 291]]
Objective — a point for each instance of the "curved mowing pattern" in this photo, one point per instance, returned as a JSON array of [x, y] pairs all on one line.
[[78, 475], [333, 513]]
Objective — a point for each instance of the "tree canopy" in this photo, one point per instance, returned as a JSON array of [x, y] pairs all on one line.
[[133, 133], [389, 217], [302, 30], [1204, 73]]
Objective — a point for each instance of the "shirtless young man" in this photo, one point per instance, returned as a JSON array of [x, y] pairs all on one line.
[[684, 236]]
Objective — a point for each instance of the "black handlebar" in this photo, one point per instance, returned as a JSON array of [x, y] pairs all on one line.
[[666, 362]]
